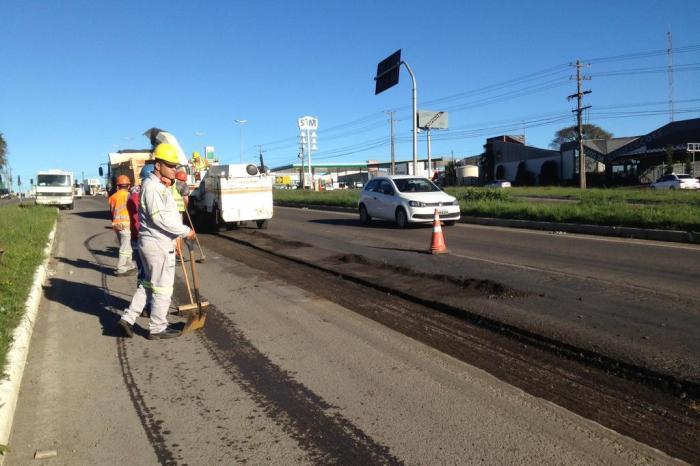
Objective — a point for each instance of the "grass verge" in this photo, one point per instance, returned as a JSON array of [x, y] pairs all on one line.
[[670, 210], [23, 234]]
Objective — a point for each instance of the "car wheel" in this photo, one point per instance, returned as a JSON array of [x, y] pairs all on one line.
[[262, 224], [653, 188], [672, 188], [365, 219], [449, 223], [401, 218]]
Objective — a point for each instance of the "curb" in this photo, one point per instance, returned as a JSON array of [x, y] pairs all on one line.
[[19, 348], [675, 236]]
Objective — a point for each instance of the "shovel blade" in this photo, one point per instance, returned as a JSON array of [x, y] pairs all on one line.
[[195, 321]]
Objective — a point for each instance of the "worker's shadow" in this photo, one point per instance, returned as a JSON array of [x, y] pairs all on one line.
[[100, 214], [89, 299], [84, 264]]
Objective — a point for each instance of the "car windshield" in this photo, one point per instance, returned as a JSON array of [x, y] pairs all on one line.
[[53, 180], [684, 177], [415, 185]]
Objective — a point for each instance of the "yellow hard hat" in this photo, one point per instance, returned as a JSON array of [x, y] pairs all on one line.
[[166, 153], [195, 155]]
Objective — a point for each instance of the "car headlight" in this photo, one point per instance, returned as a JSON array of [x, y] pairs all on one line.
[[455, 202], [416, 204]]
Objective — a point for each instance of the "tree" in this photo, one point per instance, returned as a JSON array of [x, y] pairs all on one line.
[[3, 151], [570, 133], [669, 160]]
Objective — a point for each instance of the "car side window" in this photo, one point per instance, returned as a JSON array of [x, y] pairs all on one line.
[[372, 185], [386, 188]]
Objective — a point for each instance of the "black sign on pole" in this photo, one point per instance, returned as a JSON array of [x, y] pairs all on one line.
[[388, 72]]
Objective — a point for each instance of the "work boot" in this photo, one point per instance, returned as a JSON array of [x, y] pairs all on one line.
[[167, 333], [127, 328], [127, 273]]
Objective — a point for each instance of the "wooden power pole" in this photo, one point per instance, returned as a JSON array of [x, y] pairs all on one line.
[[579, 113]]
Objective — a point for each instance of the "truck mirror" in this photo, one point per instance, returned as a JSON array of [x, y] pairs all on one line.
[[31, 181], [101, 172]]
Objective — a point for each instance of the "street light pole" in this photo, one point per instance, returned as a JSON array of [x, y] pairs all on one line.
[[240, 124]]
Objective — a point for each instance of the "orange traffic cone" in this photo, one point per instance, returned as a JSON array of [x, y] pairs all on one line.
[[438, 244]]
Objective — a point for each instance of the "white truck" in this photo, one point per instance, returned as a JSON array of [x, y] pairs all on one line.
[[54, 187], [91, 186], [231, 194]]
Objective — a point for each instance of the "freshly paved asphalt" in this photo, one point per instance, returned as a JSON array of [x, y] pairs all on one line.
[[635, 300]]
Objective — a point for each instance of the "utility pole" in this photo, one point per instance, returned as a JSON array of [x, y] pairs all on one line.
[[260, 151], [579, 114], [669, 51], [393, 155]]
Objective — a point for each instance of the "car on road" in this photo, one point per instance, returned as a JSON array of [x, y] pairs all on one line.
[[676, 181], [406, 199], [498, 184]]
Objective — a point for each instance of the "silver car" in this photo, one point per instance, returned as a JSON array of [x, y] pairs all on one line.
[[406, 199], [676, 181]]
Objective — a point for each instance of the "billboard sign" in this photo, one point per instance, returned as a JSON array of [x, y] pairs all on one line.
[[433, 120]]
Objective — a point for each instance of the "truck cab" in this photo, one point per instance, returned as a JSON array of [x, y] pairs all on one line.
[[54, 187]]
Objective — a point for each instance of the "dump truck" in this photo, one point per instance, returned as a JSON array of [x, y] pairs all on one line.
[[129, 162], [231, 194]]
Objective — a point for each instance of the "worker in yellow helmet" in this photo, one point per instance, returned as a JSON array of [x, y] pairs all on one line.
[[198, 163], [160, 223], [121, 225]]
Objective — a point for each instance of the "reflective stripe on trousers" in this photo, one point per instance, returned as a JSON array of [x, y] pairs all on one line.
[[158, 260]]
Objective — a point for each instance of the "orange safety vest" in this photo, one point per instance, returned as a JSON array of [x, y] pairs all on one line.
[[117, 204]]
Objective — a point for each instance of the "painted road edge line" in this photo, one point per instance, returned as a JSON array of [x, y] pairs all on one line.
[[19, 348]]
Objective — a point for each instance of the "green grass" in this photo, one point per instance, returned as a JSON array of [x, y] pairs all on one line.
[[24, 232], [338, 197], [613, 207]]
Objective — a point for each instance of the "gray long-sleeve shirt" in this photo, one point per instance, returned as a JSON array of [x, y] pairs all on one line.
[[158, 215]]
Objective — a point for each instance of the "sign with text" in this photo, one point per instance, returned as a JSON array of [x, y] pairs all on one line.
[[308, 123]]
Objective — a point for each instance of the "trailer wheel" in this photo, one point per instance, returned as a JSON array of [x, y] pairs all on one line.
[[262, 224]]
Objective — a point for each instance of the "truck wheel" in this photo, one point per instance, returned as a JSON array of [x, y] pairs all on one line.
[[262, 224], [70, 206]]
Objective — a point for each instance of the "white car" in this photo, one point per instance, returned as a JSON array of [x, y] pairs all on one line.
[[498, 184], [406, 199], [676, 181]]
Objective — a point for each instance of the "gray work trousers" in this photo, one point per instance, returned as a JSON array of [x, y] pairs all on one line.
[[158, 261], [126, 259]]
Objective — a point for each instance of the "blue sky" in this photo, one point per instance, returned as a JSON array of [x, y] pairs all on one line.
[[80, 79]]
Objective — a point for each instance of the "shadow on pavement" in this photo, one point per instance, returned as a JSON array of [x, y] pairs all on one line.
[[110, 251], [100, 214], [83, 264], [353, 222], [88, 299]]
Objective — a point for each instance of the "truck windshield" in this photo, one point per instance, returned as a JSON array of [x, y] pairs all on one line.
[[53, 180]]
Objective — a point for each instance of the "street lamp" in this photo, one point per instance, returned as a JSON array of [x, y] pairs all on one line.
[[240, 124]]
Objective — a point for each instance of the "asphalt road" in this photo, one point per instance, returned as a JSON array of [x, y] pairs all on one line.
[[634, 300], [279, 375]]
